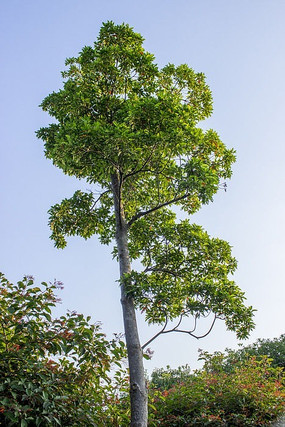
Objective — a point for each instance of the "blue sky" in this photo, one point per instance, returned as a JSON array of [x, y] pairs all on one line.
[[239, 45]]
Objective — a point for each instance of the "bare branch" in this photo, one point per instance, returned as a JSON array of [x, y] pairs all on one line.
[[189, 332], [195, 323], [156, 335], [179, 322]]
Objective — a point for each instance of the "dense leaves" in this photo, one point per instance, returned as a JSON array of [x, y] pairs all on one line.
[[186, 273], [164, 379], [252, 394], [54, 371], [119, 115], [274, 349], [79, 215]]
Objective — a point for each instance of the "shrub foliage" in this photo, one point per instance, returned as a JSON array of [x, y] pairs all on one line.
[[251, 394], [54, 371], [60, 371]]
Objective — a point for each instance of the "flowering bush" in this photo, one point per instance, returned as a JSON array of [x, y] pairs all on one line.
[[253, 394], [54, 371]]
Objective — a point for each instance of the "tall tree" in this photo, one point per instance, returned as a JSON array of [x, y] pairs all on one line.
[[130, 129]]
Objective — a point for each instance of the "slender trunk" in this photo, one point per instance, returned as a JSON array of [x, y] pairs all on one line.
[[138, 391]]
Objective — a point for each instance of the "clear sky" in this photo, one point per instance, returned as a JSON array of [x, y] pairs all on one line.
[[239, 45]]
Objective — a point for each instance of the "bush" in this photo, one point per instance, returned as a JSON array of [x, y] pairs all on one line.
[[54, 371], [164, 379], [253, 394], [272, 348]]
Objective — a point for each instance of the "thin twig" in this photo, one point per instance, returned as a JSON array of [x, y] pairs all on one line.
[[134, 171]]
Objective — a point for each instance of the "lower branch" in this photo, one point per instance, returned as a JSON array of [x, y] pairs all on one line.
[[175, 329], [155, 336]]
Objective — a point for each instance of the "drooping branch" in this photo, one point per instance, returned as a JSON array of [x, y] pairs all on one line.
[[175, 329], [191, 332]]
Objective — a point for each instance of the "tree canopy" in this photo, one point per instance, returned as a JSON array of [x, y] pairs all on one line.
[[118, 112]]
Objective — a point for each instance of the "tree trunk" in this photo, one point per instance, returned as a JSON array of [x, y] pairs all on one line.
[[138, 391]]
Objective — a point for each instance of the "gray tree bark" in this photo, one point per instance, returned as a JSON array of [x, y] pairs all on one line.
[[138, 390]]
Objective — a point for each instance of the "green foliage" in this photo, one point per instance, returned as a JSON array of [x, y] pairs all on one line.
[[117, 112], [54, 371], [186, 273], [274, 349], [116, 103], [78, 216], [164, 379], [119, 118], [253, 394]]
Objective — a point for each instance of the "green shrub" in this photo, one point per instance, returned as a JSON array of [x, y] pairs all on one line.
[[253, 394], [54, 371], [164, 379], [272, 348]]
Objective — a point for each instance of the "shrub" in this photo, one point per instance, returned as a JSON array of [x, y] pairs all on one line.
[[54, 371], [253, 394], [164, 379], [272, 348]]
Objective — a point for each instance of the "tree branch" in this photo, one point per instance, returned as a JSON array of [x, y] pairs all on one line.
[[143, 213], [189, 332], [134, 171], [97, 200], [156, 335]]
